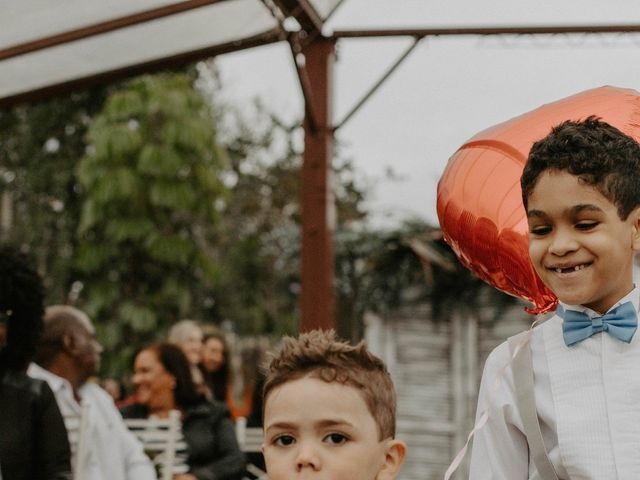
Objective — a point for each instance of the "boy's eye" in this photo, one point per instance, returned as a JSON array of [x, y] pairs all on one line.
[[586, 225], [284, 440], [541, 230], [336, 438]]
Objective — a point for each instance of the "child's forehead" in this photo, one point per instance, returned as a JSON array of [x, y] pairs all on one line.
[[562, 189], [332, 392], [313, 401], [564, 197], [316, 379]]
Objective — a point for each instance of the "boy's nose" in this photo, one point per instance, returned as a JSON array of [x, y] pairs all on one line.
[[307, 458], [562, 243]]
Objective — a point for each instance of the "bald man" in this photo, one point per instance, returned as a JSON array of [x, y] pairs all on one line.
[[68, 355]]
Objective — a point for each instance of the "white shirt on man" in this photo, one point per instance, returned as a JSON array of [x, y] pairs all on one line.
[[112, 452], [588, 404]]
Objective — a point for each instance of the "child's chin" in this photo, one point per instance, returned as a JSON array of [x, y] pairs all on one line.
[[572, 299]]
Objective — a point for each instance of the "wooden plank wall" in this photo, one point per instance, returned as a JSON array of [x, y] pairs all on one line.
[[436, 367]]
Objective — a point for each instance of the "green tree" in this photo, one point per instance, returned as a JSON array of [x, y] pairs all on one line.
[[383, 270], [148, 227], [259, 290], [376, 270], [175, 212], [40, 145]]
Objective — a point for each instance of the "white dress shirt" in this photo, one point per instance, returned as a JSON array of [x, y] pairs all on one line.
[[112, 452], [587, 400]]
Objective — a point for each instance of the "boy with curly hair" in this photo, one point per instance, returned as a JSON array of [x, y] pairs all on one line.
[[329, 412], [569, 403]]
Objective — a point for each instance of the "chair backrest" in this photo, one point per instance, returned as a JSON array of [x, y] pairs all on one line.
[[250, 440], [163, 442]]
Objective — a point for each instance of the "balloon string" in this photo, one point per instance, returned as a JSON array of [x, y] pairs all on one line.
[[484, 416]]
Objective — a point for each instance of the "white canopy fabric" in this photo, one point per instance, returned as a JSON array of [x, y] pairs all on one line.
[[46, 44], [49, 46]]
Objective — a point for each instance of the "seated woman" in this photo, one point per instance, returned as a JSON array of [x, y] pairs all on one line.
[[163, 383]]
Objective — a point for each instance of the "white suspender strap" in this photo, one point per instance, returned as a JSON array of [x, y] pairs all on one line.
[[522, 368]]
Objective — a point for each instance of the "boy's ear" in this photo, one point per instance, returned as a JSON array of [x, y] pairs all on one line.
[[395, 452], [635, 219]]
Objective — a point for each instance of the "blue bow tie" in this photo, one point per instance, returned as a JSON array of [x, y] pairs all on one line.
[[621, 322]]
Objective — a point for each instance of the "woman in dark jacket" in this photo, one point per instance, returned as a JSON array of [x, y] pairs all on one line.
[[33, 439], [163, 383]]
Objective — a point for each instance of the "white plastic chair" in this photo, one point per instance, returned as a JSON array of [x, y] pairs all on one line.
[[250, 441], [163, 442]]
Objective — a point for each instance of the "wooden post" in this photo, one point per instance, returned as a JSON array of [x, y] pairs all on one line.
[[317, 305]]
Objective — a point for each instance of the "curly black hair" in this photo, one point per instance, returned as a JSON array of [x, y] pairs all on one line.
[[21, 308], [599, 154]]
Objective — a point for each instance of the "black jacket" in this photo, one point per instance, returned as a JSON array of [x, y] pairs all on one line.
[[33, 439], [212, 448]]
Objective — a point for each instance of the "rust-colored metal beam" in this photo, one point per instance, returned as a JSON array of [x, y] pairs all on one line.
[[166, 63], [280, 10], [317, 299], [305, 82], [103, 27], [303, 12], [499, 30]]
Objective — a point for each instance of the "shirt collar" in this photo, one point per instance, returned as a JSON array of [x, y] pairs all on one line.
[[633, 296], [55, 382]]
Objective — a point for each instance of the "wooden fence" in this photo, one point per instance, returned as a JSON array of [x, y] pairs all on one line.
[[436, 367]]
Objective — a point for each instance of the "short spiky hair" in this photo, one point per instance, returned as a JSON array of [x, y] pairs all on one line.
[[21, 308], [318, 354], [597, 153]]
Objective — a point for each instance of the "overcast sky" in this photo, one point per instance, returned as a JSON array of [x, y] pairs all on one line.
[[448, 89]]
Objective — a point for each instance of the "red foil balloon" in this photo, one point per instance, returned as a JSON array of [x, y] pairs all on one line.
[[479, 197]]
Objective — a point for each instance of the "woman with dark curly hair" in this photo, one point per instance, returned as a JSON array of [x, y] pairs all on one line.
[[163, 381], [33, 439]]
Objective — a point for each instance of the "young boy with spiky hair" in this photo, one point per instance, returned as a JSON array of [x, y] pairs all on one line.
[[329, 412], [569, 402]]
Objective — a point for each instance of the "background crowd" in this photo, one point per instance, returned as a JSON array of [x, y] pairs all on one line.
[[49, 364]]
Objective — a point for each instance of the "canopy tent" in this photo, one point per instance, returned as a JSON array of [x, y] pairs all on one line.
[[44, 51]]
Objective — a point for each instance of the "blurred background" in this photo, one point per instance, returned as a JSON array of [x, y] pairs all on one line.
[[172, 190]]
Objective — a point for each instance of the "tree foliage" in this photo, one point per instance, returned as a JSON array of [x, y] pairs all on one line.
[[145, 203], [39, 147], [149, 221], [384, 271], [376, 270], [261, 233]]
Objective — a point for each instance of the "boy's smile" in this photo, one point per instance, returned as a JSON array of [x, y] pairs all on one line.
[[323, 431], [578, 244]]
